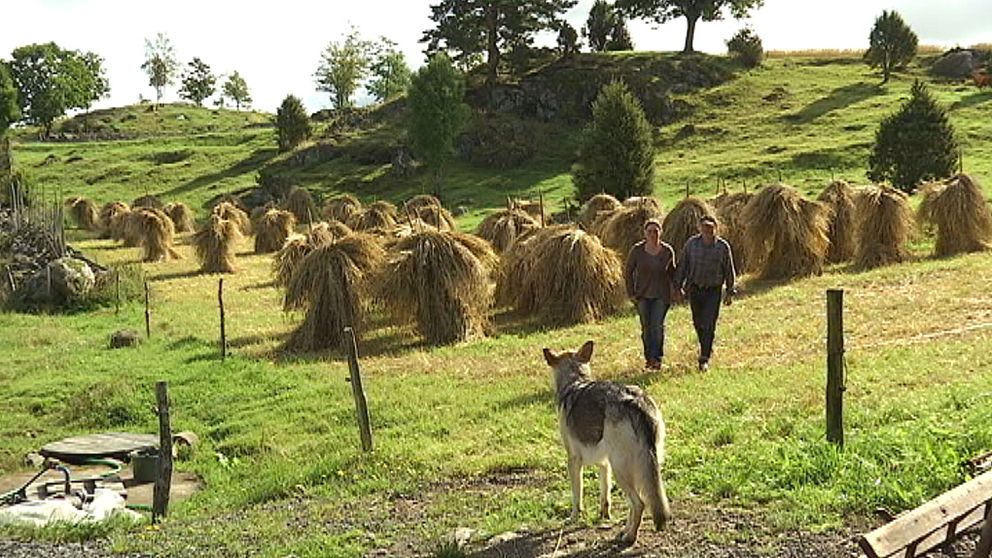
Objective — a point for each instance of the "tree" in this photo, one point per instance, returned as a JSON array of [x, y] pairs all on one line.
[[199, 82], [10, 111], [465, 28], [236, 89], [391, 75], [599, 25], [892, 44], [51, 81], [437, 113], [568, 40], [616, 154], [914, 144], [619, 36], [745, 47], [160, 64], [292, 123], [343, 65], [662, 11]]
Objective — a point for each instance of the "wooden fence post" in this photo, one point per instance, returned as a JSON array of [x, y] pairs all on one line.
[[835, 366], [163, 478], [361, 404], [541, 198], [223, 330], [983, 548], [148, 314], [117, 287]]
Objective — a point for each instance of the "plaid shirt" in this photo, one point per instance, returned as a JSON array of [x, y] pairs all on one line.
[[706, 266]]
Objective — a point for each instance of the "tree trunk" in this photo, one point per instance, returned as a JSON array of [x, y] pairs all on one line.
[[438, 177], [6, 159], [492, 18], [690, 32]]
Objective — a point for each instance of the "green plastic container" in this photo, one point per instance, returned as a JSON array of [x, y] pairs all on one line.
[[144, 464]]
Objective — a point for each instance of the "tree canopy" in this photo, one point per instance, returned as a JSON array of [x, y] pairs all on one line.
[[343, 65], [892, 44], [236, 89], [292, 123], [160, 64], [10, 112], [199, 82], [390, 73], [662, 11], [51, 81], [437, 113]]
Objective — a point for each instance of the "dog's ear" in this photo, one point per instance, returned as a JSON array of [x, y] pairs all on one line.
[[550, 357], [585, 353]]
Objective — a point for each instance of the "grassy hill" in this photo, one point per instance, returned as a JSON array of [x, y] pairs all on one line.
[[466, 435]]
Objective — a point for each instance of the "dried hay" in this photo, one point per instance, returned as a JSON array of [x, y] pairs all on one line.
[[733, 228], [416, 203], [434, 280], [503, 227], [272, 230], [960, 214], [155, 231], [786, 233], [130, 229], [182, 217], [343, 208], [883, 224], [230, 212], [258, 212], [530, 207], [112, 220], [436, 217], [215, 243], [300, 203], [838, 197], [643, 201], [331, 283], [375, 217], [562, 275], [625, 227], [84, 212], [595, 207], [682, 223], [296, 247], [151, 202], [230, 199]]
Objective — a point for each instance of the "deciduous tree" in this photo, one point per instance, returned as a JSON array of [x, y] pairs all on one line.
[[10, 111], [199, 82], [160, 64], [390, 74], [892, 44], [236, 89], [343, 65], [437, 113], [662, 11]]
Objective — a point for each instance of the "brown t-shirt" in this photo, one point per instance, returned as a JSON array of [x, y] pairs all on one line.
[[650, 276]]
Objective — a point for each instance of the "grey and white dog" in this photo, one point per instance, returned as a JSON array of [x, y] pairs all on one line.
[[616, 427]]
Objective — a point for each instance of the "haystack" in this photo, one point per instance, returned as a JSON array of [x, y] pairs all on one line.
[[625, 228], [786, 233], [532, 208], [300, 203], [958, 210], [182, 217], [256, 213], [503, 227], [414, 204], [343, 208], [595, 206], [378, 216], [563, 276], [682, 223], [331, 283], [884, 224], [733, 227], [643, 201], [111, 220], [155, 231], [839, 199], [433, 280], [231, 199], [272, 230], [151, 202], [84, 212], [436, 216], [230, 212], [130, 229], [215, 243], [296, 247]]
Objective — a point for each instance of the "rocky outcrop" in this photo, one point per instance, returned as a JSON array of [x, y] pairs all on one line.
[[957, 64]]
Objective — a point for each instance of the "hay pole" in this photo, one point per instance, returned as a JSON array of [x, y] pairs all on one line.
[[541, 201], [117, 291], [835, 366], [361, 403], [163, 477], [223, 329], [148, 314]]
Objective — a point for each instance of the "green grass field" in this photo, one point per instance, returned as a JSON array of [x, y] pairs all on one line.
[[466, 435]]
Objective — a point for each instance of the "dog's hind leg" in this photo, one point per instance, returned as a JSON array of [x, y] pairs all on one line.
[[575, 476], [626, 483], [605, 485]]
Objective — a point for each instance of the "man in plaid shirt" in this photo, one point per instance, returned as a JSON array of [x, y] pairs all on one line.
[[706, 264]]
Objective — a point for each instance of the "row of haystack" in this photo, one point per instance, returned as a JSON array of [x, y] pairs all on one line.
[[958, 211]]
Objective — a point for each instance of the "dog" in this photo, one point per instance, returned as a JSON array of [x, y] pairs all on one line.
[[617, 427]]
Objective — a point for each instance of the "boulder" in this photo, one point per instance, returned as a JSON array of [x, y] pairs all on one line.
[[956, 64], [124, 338], [62, 281]]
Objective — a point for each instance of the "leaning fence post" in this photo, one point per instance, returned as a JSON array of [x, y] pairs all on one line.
[[117, 291], [361, 404], [148, 314], [223, 330], [835, 366], [163, 478], [541, 193]]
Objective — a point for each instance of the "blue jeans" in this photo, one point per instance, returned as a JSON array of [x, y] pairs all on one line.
[[652, 312], [705, 305]]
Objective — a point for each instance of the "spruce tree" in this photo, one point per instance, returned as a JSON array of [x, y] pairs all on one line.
[[616, 155], [892, 44], [292, 123], [914, 144]]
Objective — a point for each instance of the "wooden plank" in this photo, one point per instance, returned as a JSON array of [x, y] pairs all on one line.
[[79, 449], [927, 523]]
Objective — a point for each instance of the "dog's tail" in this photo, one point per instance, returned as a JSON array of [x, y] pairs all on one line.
[[654, 492]]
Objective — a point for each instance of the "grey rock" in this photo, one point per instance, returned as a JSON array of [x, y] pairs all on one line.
[[957, 64], [124, 338], [62, 281]]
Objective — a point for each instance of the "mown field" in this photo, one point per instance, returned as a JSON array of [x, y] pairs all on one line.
[[466, 435]]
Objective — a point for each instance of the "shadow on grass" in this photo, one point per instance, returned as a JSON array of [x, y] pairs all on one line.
[[972, 100], [174, 275], [839, 98], [538, 543], [252, 163]]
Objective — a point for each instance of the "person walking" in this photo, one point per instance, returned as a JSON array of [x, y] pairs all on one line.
[[648, 276], [705, 266]]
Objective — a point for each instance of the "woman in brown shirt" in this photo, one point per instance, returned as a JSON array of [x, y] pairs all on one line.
[[648, 275]]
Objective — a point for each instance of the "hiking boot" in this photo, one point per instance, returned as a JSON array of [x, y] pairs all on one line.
[[703, 366]]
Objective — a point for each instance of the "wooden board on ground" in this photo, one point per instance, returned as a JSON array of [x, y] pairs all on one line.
[[116, 445], [184, 484]]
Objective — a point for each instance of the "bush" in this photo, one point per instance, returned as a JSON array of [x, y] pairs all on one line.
[[292, 123], [745, 47], [616, 156], [892, 44], [914, 144]]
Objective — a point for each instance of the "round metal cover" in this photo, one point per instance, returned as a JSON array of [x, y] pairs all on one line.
[[117, 445]]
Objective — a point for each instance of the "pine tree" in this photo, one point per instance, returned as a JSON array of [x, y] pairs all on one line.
[[292, 123], [914, 144], [620, 38], [616, 155], [198, 82], [599, 25], [892, 44]]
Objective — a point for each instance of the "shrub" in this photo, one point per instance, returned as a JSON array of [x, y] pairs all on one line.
[[745, 47], [892, 44], [292, 123], [914, 144]]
